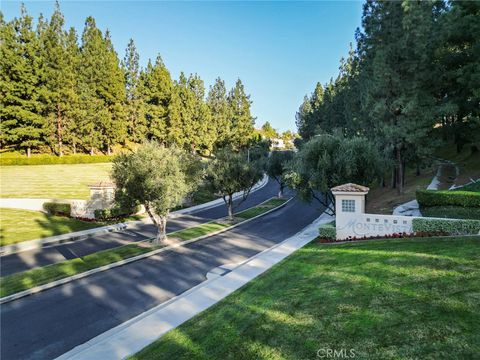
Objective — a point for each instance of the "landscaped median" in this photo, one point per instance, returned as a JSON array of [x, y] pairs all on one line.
[[39, 279]]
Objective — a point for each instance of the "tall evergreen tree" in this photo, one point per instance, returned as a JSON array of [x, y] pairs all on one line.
[[203, 134], [220, 112], [103, 90], [242, 122], [23, 125], [156, 88], [396, 44], [134, 104], [58, 61], [458, 73]]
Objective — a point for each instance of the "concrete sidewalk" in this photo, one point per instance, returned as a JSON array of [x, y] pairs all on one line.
[[133, 335]]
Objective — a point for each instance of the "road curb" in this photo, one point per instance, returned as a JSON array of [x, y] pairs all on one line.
[[78, 235], [155, 322], [58, 239], [56, 283]]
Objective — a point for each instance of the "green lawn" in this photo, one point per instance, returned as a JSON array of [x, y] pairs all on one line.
[[394, 299], [197, 231], [262, 208], [51, 181], [21, 225], [12, 284]]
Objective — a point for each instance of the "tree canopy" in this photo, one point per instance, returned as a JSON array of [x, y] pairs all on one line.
[[410, 85], [156, 177], [231, 172], [63, 94]]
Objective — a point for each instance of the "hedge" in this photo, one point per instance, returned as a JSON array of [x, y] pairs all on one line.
[[451, 212], [428, 198], [52, 160], [328, 231], [115, 213], [53, 208], [446, 226]]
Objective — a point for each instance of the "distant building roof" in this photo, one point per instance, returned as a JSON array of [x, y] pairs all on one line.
[[103, 184], [350, 188]]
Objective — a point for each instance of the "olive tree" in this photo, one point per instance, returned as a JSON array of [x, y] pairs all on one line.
[[231, 172], [327, 161], [276, 167], [156, 177]]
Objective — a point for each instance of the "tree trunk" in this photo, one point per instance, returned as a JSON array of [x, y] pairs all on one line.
[[160, 221], [399, 181], [91, 151], [162, 230], [109, 152], [29, 151], [230, 207], [59, 131], [74, 148], [280, 191], [418, 169]]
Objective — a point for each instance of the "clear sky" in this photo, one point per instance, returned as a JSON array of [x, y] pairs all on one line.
[[279, 49]]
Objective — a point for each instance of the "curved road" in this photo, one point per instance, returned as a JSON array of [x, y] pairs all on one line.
[[48, 324], [26, 260]]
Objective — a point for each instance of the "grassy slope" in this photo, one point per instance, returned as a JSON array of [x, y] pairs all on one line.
[[21, 225], [51, 181], [395, 299]]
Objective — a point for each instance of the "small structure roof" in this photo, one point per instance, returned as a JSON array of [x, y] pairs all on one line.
[[350, 187]]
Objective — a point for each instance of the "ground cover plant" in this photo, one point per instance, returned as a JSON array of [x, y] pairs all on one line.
[[409, 298]]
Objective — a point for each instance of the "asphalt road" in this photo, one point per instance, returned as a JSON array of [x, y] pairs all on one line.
[[26, 260], [47, 324]]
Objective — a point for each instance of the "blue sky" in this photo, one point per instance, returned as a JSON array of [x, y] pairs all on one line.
[[279, 49]]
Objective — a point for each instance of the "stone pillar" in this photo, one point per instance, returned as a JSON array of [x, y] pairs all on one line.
[[349, 205]]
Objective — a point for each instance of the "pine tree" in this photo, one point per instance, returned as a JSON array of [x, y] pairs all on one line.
[[102, 90], [23, 125], [458, 75], [397, 48], [188, 136], [203, 134], [115, 127], [156, 89], [134, 108], [58, 79], [242, 122], [220, 112], [72, 112]]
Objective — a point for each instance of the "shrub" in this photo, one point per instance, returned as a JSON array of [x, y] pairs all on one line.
[[428, 198], [446, 226], [51, 160], [328, 231], [451, 212], [116, 212], [53, 208]]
